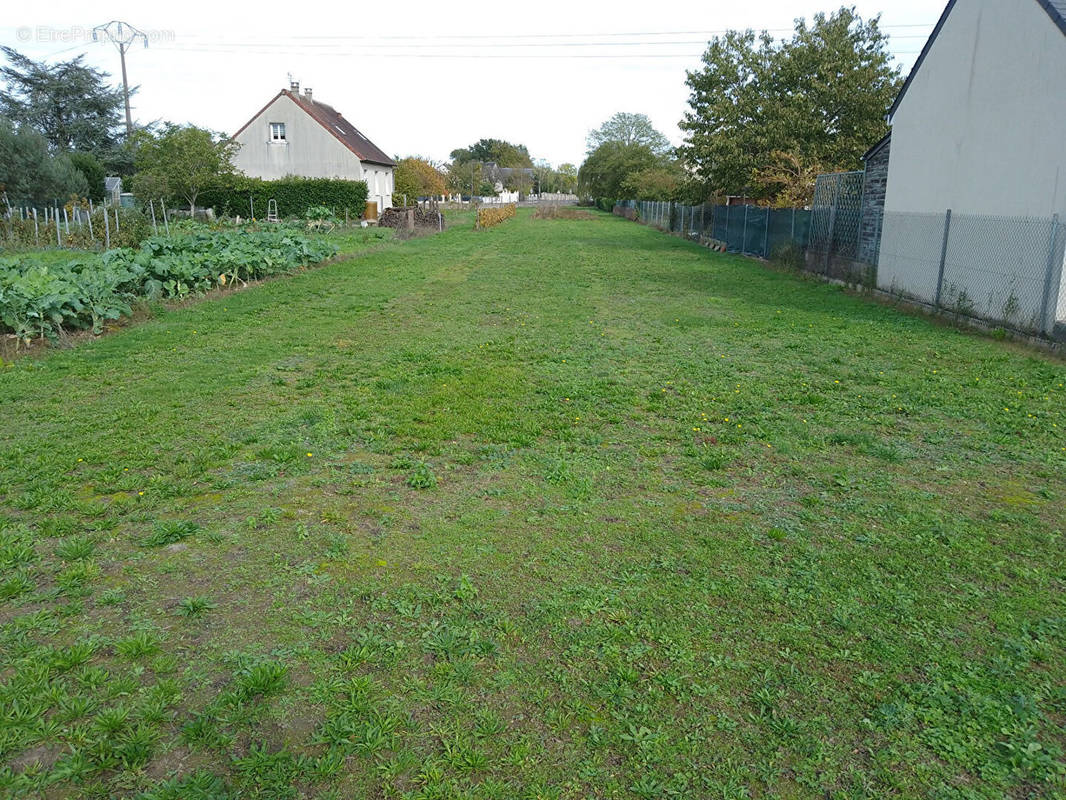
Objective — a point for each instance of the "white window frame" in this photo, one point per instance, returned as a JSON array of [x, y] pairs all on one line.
[[275, 129]]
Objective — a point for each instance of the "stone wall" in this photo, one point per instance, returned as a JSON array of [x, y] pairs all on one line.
[[875, 185]]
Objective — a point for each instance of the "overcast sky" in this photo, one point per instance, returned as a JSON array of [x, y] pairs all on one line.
[[423, 78]]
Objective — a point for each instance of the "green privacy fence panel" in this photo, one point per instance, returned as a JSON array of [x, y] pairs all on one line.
[[753, 230]]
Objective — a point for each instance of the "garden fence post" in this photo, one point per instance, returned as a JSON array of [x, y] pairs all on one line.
[[36, 229], [166, 222], [744, 232], [107, 230], [766, 236], [943, 259], [116, 220], [829, 240], [66, 222], [155, 227], [726, 237], [1046, 324], [92, 238]]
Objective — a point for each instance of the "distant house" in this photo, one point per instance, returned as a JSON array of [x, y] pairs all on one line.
[[978, 128], [295, 134], [500, 177]]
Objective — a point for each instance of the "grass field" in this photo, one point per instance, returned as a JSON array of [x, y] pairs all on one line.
[[559, 509]]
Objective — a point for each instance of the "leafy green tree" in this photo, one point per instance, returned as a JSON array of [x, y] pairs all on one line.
[[566, 178], [30, 174], [70, 104], [661, 182], [89, 166], [817, 100], [628, 129], [180, 162], [417, 177], [503, 154], [605, 171], [464, 177]]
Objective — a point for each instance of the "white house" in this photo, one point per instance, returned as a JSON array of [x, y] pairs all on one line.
[[980, 128], [296, 134]]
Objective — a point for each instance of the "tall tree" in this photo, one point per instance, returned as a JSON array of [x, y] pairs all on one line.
[[605, 171], [627, 129], [765, 115], [30, 174], [497, 151], [566, 178], [72, 105], [180, 162], [89, 166], [417, 177]]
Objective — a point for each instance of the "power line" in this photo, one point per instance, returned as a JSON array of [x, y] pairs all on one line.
[[405, 37]]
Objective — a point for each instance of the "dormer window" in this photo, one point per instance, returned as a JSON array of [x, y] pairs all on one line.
[[277, 131]]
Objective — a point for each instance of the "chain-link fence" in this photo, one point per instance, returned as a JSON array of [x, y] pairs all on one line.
[[1003, 270], [837, 212], [752, 230], [1007, 271]]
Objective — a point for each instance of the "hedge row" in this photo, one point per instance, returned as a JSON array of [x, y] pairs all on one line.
[[237, 195], [487, 216]]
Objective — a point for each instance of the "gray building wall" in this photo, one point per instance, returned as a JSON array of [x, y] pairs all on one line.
[[309, 151], [980, 131]]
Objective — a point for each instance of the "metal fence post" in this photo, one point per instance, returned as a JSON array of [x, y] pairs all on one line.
[[1049, 325], [744, 232], [766, 236], [829, 240], [943, 258], [726, 237]]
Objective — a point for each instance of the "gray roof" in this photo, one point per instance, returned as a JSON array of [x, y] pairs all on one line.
[[1056, 9]]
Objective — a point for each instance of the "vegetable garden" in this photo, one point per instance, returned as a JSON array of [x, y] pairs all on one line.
[[43, 300]]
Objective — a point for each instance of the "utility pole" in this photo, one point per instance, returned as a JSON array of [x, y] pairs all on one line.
[[122, 35]]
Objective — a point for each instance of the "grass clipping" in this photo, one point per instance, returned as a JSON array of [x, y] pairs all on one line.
[[494, 215]]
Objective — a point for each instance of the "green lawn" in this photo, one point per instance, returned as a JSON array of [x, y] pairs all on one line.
[[560, 509]]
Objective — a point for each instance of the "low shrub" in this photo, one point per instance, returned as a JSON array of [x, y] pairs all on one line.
[[789, 255], [487, 216]]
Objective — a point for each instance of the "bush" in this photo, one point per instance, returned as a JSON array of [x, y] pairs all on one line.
[[789, 255], [237, 195], [604, 204], [487, 216], [89, 166]]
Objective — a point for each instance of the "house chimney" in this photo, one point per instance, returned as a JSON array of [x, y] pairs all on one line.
[[294, 87], [307, 94]]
